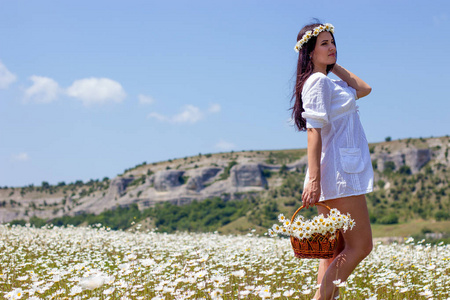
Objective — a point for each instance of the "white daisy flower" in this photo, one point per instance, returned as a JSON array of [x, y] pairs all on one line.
[[276, 228], [240, 273], [306, 292], [288, 293], [17, 293], [22, 278], [265, 292], [334, 211], [108, 291], [92, 282], [351, 223]]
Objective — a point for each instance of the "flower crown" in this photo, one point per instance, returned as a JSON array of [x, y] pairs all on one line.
[[310, 33]]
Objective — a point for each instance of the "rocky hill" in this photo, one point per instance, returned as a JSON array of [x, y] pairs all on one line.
[[229, 176]]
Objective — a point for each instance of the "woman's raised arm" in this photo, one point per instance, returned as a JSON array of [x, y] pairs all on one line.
[[362, 88]]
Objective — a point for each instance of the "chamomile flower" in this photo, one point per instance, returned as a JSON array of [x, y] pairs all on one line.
[[351, 223], [272, 233], [276, 228], [307, 227], [334, 212], [281, 218], [322, 230], [265, 292], [17, 293], [288, 293], [307, 35]]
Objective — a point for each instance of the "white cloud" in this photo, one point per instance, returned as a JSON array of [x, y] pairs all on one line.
[[158, 117], [214, 108], [6, 77], [20, 157], [190, 114], [43, 90], [96, 91], [143, 99], [224, 145]]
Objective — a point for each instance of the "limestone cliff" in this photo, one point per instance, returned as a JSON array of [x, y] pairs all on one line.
[[180, 181]]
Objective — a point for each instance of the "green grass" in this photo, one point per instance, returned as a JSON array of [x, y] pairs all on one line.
[[412, 228]]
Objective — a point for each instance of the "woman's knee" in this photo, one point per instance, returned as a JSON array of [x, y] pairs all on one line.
[[368, 248], [360, 251], [364, 250]]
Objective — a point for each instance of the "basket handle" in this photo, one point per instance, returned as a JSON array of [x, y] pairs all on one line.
[[296, 212]]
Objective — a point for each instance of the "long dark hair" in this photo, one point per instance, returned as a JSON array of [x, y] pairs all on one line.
[[305, 68]]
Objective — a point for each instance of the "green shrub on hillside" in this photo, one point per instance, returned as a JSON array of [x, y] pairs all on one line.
[[199, 216], [206, 215], [226, 171]]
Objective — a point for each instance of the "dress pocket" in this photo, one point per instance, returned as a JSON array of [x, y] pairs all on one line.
[[351, 160]]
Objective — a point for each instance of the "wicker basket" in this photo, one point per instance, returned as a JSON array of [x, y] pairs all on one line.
[[317, 246]]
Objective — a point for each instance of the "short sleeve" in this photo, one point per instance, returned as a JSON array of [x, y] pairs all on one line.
[[344, 85], [316, 98]]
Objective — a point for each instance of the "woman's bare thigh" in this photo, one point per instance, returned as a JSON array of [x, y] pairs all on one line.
[[361, 235]]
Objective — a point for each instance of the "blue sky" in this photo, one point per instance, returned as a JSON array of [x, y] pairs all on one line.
[[90, 88]]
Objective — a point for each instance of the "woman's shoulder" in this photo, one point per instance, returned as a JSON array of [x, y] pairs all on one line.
[[317, 80]]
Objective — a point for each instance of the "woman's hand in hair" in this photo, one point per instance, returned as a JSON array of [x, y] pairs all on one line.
[[361, 87]]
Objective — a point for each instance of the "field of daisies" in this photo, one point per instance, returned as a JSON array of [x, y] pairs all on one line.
[[96, 263]]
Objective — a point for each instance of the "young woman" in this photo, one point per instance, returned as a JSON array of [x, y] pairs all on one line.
[[339, 166]]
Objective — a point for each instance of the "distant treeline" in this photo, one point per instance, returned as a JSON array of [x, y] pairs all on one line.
[[198, 216]]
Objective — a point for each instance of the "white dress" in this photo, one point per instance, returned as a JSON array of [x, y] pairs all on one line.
[[345, 165]]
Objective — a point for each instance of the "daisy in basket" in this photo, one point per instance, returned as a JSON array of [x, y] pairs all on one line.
[[305, 229]]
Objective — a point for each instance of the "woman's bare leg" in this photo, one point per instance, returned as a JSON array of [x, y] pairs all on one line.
[[357, 245], [325, 263]]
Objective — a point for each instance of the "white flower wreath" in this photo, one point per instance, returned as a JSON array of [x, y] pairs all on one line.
[[310, 33]]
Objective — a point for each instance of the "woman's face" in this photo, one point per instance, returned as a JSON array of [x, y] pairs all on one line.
[[324, 52]]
